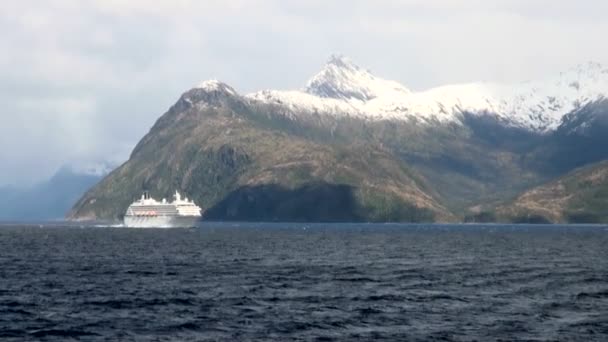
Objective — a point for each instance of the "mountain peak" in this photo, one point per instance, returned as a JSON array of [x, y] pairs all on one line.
[[211, 92], [341, 61], [341, 78], [214, 85]]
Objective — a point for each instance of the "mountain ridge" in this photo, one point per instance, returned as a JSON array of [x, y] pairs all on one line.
[[342, 88], [264, 155]]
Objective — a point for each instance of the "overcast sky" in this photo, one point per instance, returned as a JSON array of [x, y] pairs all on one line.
[[82, 81]]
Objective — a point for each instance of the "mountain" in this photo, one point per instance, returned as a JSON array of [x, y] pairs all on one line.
[[342, 79], [580, 139], [221, 151], [343, 88], [580, 196], [51, 199], [351, 146]]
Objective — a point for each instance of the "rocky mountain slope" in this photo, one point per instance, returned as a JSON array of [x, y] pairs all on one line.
[[352, 146], [578, 197]]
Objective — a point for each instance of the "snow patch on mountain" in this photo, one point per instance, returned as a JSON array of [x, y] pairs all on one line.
[[343, 79], [344, 89], [216, 86], [299, 101]]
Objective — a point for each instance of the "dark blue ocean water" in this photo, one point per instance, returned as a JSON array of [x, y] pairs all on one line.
[[283, 282]]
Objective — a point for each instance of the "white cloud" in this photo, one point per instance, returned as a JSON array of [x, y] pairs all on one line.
[[83, 79]]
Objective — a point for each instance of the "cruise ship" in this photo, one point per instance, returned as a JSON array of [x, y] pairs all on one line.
[[147, 212]]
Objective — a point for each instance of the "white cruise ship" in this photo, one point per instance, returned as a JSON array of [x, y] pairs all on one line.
[[150, 213]]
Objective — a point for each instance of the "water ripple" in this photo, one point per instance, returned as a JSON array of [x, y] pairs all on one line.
[[325, 283]]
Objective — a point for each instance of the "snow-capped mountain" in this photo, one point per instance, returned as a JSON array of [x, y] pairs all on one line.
[[352, 138], [216, 86], [342, 88], [342, 79]]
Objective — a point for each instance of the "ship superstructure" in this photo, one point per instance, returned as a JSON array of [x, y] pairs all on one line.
[[147, 212]]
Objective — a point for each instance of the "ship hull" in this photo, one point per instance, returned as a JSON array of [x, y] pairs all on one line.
[[161, 221]]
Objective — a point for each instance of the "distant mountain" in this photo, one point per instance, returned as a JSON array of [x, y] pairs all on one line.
[[51, 199], [353, 147]]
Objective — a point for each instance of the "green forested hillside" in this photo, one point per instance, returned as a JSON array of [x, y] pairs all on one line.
[[224, 156], [578, 197]]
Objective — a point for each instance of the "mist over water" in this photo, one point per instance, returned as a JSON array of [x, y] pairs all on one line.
[[233, 282]]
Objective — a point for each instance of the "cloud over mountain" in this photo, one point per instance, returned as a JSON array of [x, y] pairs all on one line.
[[85, 79]]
